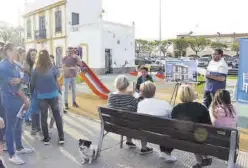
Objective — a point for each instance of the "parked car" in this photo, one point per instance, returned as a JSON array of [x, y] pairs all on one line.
[[235, 63], [203, 62], [228, 59], [207, 56]]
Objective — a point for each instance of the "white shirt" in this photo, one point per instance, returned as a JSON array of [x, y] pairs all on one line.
[[155, 107], [218, 67]]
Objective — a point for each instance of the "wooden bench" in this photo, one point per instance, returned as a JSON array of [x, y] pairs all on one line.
[[187, 136]]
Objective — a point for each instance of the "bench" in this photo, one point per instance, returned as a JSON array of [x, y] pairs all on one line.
[[182, 135]]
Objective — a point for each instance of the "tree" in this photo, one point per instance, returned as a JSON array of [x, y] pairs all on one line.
[[180, 45], [235, 47], [14, 35], [218, 45], [198, 44], [140, 46]]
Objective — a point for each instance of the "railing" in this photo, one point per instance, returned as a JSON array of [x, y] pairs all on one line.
[[40, 34]]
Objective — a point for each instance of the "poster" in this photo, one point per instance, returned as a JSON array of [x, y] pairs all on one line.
[[180, 71], [242, 89]]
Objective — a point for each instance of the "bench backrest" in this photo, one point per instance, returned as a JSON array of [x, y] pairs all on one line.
[[182, 135]]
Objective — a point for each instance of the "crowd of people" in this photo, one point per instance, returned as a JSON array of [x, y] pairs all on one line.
[[30, 82], [29, 85], [216, 109]]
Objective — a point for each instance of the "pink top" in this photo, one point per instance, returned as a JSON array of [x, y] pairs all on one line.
[[221, 119]]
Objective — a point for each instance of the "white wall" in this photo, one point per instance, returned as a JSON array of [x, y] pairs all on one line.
[[125, 50], [89, 10], [90, 35]]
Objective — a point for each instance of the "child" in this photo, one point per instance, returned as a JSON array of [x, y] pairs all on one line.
[[1, 142], [143, 78], [222, 112]]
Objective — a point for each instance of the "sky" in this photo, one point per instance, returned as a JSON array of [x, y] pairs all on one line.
[[178, 16]]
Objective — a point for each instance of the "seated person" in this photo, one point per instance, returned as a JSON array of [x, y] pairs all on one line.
[[188, 110], [222, 112], [123, 100], [143, 78], [155, 107]]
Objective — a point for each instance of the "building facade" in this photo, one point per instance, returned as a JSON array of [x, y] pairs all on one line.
[[57, 24]]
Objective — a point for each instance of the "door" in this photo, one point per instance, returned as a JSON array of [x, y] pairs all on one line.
[[108, 61], [59, 52]]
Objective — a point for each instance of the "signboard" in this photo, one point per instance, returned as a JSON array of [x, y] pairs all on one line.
[[242, 89], [180, 71]]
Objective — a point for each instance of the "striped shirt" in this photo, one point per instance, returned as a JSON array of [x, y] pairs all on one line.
[[124, 102]]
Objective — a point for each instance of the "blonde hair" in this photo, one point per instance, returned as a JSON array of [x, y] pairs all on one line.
[[121, 82], [148, 89], [186, 93], [43, 62]]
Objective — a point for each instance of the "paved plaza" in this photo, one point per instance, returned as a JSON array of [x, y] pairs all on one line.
[[54, 156]]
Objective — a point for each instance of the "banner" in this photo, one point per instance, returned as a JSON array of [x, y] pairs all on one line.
[[242, 89], [180, 71]]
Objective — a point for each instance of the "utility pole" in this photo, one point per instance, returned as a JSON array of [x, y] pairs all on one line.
[[160, 26]]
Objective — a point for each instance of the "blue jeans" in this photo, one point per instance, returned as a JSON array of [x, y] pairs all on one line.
[[13, 124], [70, 82]]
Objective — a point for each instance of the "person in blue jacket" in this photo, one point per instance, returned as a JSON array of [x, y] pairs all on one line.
[[12, 101], [44, 81]]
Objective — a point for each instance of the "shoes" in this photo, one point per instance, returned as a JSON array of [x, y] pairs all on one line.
[[24, 151], [16, 160], [75, 105], [146, 151], [130, 144], [66, 106], [61, 141], [47, 141], [167, 157]]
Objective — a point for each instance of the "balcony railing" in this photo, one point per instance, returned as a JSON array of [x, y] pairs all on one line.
[[40, 34]]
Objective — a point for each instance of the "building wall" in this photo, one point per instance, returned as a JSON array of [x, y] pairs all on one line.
[[120, 39]]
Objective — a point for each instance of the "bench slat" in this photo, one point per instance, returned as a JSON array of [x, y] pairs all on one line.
[[202, 149], [175, 133]]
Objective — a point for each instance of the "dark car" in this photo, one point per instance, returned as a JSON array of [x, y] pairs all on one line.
[[235, 63], [203, 62], [228, 59]]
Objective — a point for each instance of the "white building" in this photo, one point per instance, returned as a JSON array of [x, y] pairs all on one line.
[[57, 24]]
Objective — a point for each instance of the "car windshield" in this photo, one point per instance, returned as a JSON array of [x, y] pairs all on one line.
[[203, 59]]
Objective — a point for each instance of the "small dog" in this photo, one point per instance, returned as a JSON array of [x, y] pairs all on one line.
[[86, 150]]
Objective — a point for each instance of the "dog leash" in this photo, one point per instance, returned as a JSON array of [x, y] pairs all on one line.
[[113, 146]]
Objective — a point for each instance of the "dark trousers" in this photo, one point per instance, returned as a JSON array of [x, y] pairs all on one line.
[[35, 117], [53, 103], [166, 150], [207, 98], [2, 114]]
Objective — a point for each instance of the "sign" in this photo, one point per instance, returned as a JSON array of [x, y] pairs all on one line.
[[242, 89], [180, 71]]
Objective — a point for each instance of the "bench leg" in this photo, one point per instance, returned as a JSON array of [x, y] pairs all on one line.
[[232, 151], [121, 142]]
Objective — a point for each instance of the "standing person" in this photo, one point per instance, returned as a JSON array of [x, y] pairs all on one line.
[[44, 81], [143, 78], [216, 74], [12, 101], [188, 110], [1, 142], [70, 63]]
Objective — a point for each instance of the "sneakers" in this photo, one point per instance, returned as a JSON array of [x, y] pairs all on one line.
[[16, 160], [24, 151], [61, 141], [167, 157], [146, 151], [130, 144], [66, 106], [47, 141], [75, 105]]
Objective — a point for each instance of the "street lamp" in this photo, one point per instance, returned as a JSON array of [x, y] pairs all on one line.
[[160, 26], [219, 36]]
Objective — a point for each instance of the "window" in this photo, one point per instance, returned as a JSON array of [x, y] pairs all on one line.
[[75, 19], [42, 23], [58, 21], [29, 34]]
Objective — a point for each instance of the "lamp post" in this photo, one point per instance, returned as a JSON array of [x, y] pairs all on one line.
[[160, 26], [219, 36]]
